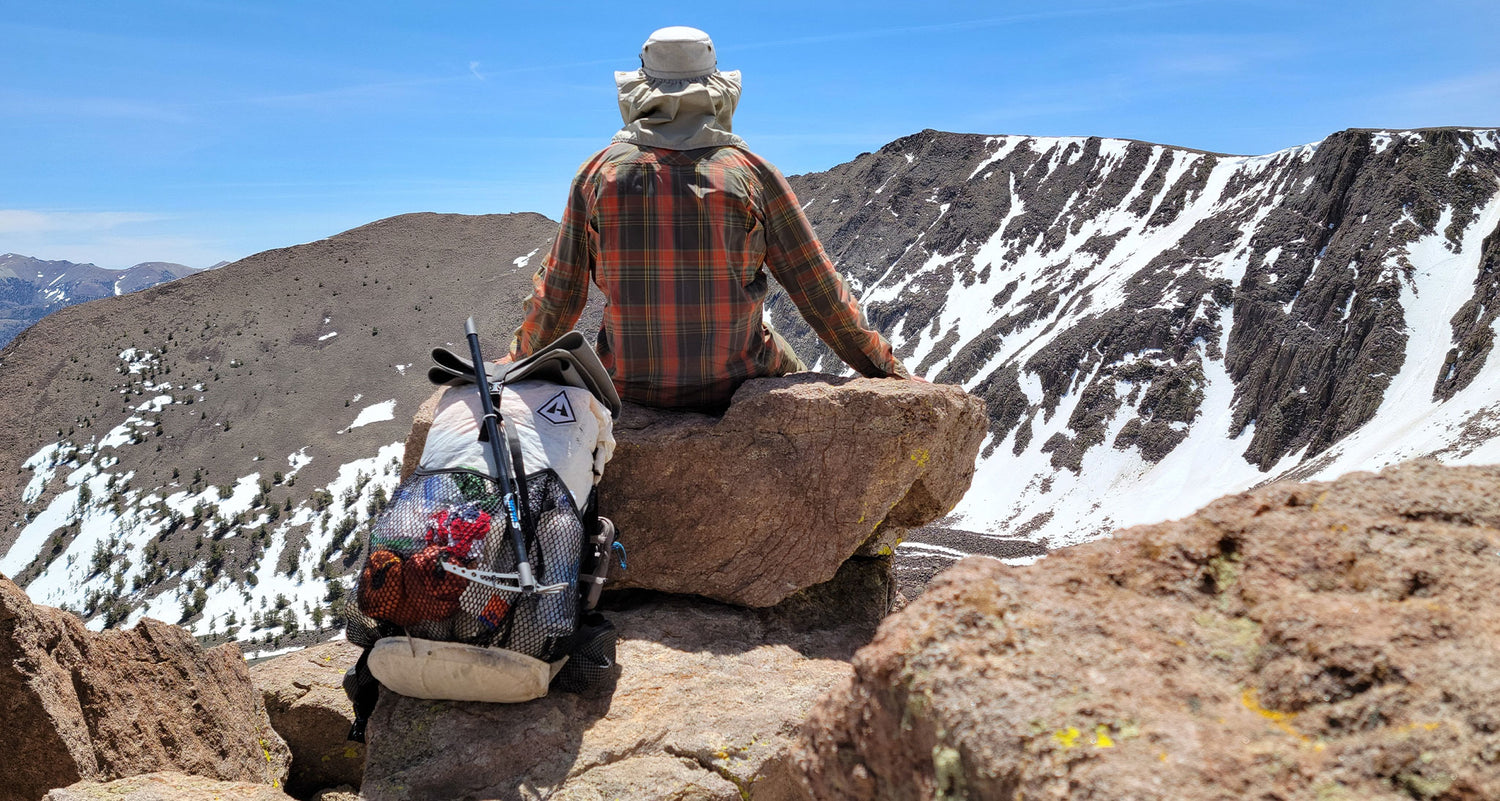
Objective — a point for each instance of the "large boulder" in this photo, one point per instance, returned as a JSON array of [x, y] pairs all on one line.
[[76, 704], [304, 697], [796, 476], [167, 786], [1301, 641], [706, 703]]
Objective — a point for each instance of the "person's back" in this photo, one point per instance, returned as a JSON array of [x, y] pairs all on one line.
[[675, 222]]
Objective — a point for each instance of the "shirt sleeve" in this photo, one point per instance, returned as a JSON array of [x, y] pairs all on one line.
[[561, 284], [798, 262]]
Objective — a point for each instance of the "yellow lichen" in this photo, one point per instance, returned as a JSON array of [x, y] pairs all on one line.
[[1319, 502], [948, 773], [1102, 738], [920, 456], [1281, 720], [1067, 737]]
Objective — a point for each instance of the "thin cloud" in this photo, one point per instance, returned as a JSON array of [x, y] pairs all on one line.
[[1478, 85], [1471, 99], [385, 89], [1206, 55], [20, 104], [559, 66], [987, 22], [119, 251], [364, 91], [112, 239], [27, 221]]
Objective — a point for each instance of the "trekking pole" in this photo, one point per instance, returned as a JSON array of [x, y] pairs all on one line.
[[507, 476]]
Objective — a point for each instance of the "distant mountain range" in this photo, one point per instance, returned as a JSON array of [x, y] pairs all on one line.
[[31, 289], [1151, 326]]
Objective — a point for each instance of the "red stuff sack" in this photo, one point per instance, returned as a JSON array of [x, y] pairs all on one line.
[[430, 592], [462, 529]]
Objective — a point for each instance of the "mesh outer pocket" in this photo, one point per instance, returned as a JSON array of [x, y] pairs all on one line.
[[458, 517], [592, 660]]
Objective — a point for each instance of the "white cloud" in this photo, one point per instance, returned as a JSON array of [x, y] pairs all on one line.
[[1470, 99], [20, 105], [26, 221], [111, 239]]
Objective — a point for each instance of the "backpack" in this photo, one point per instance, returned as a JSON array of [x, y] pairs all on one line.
[[441, 605]]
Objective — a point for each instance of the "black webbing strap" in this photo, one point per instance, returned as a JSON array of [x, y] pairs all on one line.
[[363, 691], [518, 469]]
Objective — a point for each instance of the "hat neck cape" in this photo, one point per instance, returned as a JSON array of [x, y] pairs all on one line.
[[678, 114]]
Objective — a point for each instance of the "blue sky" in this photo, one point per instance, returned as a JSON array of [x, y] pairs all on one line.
[[201, 130]]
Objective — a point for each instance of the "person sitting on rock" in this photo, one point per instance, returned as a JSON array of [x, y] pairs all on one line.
[[674, 222]]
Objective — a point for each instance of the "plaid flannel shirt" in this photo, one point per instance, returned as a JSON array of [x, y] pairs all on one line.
[[676, 240]]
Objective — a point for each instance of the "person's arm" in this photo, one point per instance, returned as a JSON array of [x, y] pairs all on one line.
[[561, 285], [797, 260]]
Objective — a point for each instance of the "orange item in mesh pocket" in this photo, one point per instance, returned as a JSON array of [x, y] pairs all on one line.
[[381, 588], [430, 592], [494, 612]]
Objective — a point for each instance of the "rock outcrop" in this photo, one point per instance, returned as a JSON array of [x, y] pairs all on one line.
[[707, 701], [99, 706], [167, 786], [790, 482], [304, 697], [1301, 641]]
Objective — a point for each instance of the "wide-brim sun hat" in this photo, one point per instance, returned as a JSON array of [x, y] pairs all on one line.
[[678, 53]]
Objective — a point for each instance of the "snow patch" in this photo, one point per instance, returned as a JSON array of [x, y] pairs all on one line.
[[374, 413], [1005, 146], [522, 261]]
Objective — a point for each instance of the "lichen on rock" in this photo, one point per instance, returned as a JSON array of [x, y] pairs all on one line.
[[1296, 641]]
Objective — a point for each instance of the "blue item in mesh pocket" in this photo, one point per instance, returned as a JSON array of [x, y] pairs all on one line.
[[539, 624]]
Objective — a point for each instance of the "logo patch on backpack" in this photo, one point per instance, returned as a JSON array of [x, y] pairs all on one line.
[[557, 410]]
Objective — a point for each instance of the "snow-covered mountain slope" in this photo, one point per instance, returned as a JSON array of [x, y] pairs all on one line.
[[30, 288], [232, 560], [207, 451], [1154, 327]]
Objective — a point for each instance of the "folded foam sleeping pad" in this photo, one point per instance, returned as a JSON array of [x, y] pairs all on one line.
[[454, 671]]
